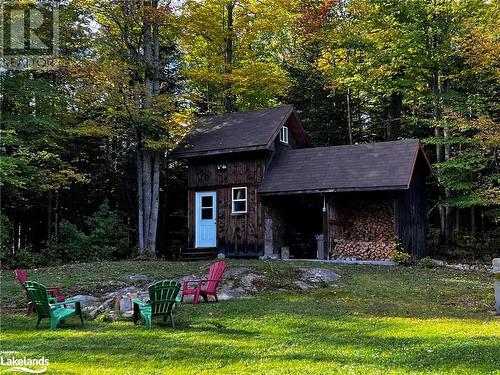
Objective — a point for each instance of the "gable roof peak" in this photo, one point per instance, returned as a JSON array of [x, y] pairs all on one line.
[[238, 131]]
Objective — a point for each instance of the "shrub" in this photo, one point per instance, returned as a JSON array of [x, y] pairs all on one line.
[[4, 238], [23, 258], [428, 263], [402, 258], [107, 239]]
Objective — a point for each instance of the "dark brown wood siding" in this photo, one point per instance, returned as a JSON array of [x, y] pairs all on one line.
[[237, 234], [411, 214]]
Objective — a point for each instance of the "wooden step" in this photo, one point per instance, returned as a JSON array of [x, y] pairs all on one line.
[[197, 254]]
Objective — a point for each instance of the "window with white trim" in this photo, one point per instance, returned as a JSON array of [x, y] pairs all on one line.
[[284, 134], [239, 200]]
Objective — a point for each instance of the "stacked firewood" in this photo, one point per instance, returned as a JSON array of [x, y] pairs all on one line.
[[363, 250], [369, 232]]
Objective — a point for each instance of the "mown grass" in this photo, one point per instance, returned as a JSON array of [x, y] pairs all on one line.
[[377, 320]]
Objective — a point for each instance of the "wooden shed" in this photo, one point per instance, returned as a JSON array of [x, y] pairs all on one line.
[[255, 186]]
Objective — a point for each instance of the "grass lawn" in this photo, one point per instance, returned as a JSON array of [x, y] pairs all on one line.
[[376, 320]]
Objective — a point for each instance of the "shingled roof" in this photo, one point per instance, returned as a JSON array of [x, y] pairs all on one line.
[[364, 167], [239, 131]]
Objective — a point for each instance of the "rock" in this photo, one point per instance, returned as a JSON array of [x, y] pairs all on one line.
[[302, 285], [317, 275], [124, 291], [228, 291], [462, 267], [248, 280], [86, 300], [269, 257], [221, 256], [233, 272], [189, 277], [139, 278]]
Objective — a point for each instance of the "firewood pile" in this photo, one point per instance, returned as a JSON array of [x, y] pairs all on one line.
[[363, 250], [368, 232]]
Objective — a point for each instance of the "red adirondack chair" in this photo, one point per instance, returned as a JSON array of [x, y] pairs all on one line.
[[54, 291], [205, 287]]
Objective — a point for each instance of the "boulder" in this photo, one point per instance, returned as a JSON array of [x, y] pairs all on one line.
[[229, 291], [233, 272], [86, 300], [317, 275], [302, 285], [247, 280]]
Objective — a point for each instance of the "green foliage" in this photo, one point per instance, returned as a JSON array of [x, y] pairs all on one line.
[[107, 238], [250, 72], [4, 236], [23, 258], [428, 262], [403, 258]]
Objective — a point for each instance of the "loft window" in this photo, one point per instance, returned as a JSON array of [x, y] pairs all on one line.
[[284, 134], [239, 205]]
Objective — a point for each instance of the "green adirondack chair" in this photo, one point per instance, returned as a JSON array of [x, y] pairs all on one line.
[[162, 300], [40, 299]]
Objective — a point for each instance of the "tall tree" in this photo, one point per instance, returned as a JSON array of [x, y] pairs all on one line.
[[130, 85], [234, 52]]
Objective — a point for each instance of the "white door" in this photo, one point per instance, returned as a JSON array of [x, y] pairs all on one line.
[[206, 224]]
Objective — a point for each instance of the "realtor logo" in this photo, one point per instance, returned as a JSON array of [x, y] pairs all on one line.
[[29, 35], [23, 364]]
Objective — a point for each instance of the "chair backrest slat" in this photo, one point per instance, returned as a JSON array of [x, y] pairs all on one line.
[[214, 275], [162, 296], [38, 296]]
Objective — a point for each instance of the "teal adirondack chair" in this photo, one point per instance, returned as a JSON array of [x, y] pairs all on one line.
[[162, 300], [40, 299]]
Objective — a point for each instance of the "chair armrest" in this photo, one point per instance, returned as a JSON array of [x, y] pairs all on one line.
[[207, 280], [67, 302], [187, 282], [139, 302]]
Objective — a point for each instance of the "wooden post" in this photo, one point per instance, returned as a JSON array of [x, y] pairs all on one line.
[[325, 227], [268, 232]]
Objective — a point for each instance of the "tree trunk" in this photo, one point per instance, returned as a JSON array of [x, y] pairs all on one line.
[[49, 215], [434, 83], [472, 220], [229, 102], [148, 162], [349, 115], [155, 204], [147, 191], [140, 200], [393, 122], [447, 155]]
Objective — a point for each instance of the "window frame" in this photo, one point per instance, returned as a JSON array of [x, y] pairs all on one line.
[[211, 207], [233, 200], [284, 132]]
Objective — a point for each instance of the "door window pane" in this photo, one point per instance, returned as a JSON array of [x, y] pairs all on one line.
[[207, 201], [207, 214]]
